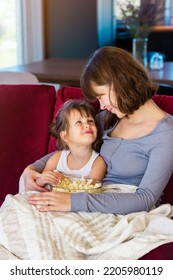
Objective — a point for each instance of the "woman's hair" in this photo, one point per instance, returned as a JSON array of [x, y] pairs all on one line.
[[118, 69], [61, 121]]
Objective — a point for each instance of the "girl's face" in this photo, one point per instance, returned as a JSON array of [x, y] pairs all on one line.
[[104, 95], [82, 129]]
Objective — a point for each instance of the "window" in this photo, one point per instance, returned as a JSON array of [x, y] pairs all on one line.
[[8, 31], [168, 12], [21, 32], [117, 11], [168, 4]]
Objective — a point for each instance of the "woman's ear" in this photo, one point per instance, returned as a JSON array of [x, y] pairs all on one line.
[[64, 136]]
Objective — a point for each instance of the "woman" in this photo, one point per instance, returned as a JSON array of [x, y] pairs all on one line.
[[137, 141]]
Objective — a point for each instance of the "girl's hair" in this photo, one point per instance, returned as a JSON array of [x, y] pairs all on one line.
[[61, 122], [118, 69]]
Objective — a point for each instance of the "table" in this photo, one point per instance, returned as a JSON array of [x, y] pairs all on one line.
[[67, 71], [63, 71], [165, 75]]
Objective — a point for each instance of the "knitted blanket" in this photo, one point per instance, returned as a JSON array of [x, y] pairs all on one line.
[[27, 234]]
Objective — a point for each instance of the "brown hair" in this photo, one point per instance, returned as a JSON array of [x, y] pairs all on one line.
[[61, 121], [117, 68]]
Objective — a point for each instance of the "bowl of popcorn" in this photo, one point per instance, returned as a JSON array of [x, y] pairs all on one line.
[[73, 185]]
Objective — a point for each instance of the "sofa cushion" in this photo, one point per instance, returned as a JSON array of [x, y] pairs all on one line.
[[25, 114], [164, 102]]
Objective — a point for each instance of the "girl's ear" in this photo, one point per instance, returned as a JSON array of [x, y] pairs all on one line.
[[63, 135]]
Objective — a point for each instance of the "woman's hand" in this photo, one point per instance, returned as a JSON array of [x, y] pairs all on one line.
[[30, 176], [51, 201]]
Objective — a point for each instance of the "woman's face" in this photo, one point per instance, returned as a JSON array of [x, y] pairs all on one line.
[[104, 95]]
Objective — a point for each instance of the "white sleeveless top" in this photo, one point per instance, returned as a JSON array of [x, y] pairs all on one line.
[[83, 172]]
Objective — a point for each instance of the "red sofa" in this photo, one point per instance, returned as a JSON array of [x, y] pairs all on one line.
[[25, 114]]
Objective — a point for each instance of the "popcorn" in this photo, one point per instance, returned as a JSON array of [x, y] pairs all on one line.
[[77, 185]]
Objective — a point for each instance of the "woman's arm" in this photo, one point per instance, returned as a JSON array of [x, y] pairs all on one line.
[[32, 172], [150, 188], [153, 183], [159, 155], [40, 164], [29, 176]]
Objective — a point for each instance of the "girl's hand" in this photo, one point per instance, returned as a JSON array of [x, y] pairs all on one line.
[[51, 201]]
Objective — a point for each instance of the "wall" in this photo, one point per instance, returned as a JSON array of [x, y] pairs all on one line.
[[70, 28], [75, 28]]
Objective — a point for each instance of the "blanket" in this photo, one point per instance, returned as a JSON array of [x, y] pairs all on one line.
[[27, 234]]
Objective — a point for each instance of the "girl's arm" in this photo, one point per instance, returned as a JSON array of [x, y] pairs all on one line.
[[98, 169], [48, 175]]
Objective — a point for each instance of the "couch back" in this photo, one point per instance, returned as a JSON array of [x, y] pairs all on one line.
[[25, 114], [166, 103]]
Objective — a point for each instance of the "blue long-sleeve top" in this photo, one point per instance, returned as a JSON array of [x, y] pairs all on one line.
[[146, 162]]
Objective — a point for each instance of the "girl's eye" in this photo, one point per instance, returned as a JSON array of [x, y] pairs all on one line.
[[78, 122], [91, 121]]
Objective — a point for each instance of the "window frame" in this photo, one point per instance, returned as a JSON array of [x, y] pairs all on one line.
[[32, 41]]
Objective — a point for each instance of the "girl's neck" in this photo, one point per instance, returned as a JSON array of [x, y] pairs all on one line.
[[79, 157]]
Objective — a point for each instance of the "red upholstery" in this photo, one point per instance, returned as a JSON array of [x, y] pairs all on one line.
[[25, 113], [163, 252], [166, 103]]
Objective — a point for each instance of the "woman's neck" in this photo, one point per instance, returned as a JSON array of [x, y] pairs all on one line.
[[148, 111], [142, 122]]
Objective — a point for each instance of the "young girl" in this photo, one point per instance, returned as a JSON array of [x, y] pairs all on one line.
[[78, 140]]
